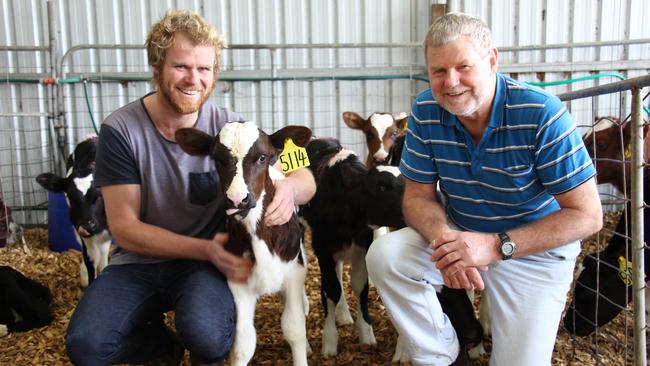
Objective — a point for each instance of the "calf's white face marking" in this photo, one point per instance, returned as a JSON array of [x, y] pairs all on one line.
[[381, 122], [83, 184], [239, 138]]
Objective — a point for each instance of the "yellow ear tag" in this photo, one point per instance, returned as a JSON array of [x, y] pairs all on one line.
[[293, 157], [628, 152], [625, 271]]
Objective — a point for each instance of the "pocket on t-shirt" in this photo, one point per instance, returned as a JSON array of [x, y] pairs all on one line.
[[204, 187]]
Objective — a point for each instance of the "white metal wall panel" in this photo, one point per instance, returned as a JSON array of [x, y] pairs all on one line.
[[319, 103]]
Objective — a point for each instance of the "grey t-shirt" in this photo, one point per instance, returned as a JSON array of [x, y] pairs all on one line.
[[179, 192]]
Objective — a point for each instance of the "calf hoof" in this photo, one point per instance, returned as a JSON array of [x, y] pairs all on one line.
[[476, 352], [328, 350], [401, 355], [83, 276], [366, 334], [343, 316], [3, 330]]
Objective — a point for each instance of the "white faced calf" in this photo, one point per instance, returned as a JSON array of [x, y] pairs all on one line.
[[86, 208], [244, 156], [384, 136]]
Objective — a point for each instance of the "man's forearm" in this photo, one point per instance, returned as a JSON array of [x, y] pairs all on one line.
[[304, 185], [425, 216], [580, 216]]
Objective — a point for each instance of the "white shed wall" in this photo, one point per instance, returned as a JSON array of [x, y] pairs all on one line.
[[26, 106]]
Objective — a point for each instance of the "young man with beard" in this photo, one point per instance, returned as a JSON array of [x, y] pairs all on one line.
[[499, 191], [164, 211]]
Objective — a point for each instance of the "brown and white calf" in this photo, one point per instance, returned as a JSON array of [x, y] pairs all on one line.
[[608, 143], [603, 288], [384, 136], [86, 207], [244, 157]]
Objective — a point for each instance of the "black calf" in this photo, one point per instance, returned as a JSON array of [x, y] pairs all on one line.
[[349, 200], [24, 303]]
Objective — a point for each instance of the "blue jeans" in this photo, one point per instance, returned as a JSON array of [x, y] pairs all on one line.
[[120, 317]]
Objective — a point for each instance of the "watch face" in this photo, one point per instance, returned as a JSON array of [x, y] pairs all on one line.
[[507, 248]]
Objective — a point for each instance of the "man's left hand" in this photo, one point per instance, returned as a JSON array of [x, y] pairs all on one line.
[[467, 279], [460, 255], [282, 206]]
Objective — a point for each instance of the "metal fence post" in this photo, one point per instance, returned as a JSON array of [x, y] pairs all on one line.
[[638, 279]]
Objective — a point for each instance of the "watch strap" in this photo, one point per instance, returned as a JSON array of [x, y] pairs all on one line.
[[504, 238]]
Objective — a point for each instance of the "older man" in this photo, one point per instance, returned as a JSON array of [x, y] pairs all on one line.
[[499, 191]]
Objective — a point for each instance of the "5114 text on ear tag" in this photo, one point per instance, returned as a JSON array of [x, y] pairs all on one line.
[[293, 157]]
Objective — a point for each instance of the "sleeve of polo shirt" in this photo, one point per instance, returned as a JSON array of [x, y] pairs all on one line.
[[562, 161], [417, 162]]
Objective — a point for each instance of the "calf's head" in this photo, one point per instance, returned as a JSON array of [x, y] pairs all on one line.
[[382, 130], [600, 294], [82, 195], [609, 143], [243, 155], [385, 189]]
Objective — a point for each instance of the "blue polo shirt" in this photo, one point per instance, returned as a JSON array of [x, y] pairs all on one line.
[[530, 151]]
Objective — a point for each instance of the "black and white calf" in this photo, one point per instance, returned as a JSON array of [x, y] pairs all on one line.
[[385, 135], [24, 303], [244, 156], [86, 207], [349, 201], [604, 286]]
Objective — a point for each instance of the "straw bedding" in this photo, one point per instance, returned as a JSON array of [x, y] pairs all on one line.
[[60, 272]]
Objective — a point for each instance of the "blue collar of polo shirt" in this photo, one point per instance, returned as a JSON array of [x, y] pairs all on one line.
[[499, 103]]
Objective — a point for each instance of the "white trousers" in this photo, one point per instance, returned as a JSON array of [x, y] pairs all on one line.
[[527, 295]]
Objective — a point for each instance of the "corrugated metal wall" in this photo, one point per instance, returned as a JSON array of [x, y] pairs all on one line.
[[287, 77]]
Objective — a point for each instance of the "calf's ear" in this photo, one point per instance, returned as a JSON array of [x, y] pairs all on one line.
[[355, 121], [193, 141], [402, 122], [52, 182], [299, 134]]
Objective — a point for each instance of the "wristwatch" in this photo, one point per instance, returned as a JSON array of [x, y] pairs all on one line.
[[507, 247]]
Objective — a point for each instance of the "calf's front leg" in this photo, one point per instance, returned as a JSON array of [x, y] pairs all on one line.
[[293, 316], [360, 287], [245, 334]]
